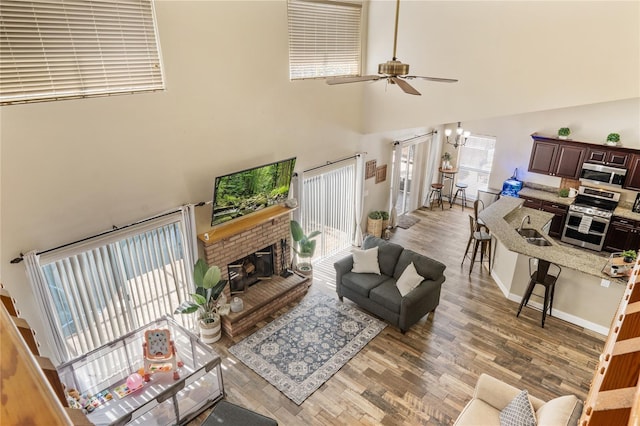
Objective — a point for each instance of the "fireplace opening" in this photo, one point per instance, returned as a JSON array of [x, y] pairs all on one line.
[[250, 269]]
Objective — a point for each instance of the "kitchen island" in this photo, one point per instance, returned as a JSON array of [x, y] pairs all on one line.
[[584, 295]]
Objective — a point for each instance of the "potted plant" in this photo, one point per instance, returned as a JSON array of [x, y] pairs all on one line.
[[374, 223], [446, 160], [304, 247], [629, 256], [613, 139], [563, 192], [564, 132], [205, 301], [385, 219]]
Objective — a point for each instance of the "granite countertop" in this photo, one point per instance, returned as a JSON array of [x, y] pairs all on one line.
[[505, 215], [546, 196]]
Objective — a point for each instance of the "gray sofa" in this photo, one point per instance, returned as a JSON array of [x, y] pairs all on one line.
[[379, 295]]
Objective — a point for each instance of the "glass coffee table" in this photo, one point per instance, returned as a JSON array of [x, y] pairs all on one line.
[[101, 376]]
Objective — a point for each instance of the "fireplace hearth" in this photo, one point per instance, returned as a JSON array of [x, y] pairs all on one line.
[[251, 269]]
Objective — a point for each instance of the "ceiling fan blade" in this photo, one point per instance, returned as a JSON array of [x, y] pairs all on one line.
[[353, 79], [406, 87], [438, 79]]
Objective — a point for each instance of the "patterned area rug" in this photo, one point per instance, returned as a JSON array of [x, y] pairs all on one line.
[[406, 222], [302, 349]]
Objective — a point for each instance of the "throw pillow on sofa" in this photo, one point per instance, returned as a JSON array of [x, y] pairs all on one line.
[[409, 280], [366, 261], [519, 412]]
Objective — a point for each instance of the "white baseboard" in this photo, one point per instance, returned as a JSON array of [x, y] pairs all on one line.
[[565, 316], [556, 313]]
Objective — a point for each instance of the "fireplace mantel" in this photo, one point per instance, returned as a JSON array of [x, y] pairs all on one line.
[[234, 227]]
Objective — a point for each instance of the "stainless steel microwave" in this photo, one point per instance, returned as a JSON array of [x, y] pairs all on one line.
[[602, 175]]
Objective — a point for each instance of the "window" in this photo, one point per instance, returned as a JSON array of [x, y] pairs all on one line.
[[327, 206], [60, 49], [475, 161], [99, 289], [324, 38]]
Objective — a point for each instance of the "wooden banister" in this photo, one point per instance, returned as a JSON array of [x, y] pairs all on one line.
[[614, 397]]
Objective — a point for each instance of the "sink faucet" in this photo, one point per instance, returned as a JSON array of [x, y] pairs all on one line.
[[528, 218]]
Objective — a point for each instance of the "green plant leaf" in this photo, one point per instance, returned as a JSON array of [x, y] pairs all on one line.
[[296, 231], [199, 270], [186, 307], [216, 291], [211, 277], [199, 299]]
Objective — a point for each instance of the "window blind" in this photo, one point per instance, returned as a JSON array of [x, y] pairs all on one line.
[[57, 49], [100, 289], [328, 206], [324, 38]]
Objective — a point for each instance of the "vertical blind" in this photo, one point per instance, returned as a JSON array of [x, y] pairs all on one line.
[[57, 49], [324, 38], [328, 206], [107, 290]]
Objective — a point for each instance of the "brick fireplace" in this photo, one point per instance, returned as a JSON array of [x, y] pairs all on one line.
[[227, 243]]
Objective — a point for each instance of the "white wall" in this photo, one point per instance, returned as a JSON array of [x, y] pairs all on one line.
[[510, 57], [74, 168]]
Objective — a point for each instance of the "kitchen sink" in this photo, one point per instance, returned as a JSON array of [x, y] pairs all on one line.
[[534, 237], [529, 233], [537, 241]]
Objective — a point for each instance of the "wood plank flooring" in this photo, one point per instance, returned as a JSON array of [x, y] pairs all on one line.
[[427, 375]]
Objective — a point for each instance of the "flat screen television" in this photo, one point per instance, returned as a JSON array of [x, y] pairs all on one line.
[[241, 193]]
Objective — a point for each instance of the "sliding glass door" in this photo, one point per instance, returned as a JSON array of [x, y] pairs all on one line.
[[328, 206]]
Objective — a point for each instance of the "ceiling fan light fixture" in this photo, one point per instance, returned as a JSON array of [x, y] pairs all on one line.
[[394, 68]]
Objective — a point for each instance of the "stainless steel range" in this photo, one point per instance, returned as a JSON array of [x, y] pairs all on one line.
[[589, 216]]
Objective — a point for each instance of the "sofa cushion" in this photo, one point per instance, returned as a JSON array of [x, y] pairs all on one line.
[[387, 295], [366, 261], [362, 283], [409, 280], [429, 268], [564, 410], [477, 412], [388, 253], [519, 412]]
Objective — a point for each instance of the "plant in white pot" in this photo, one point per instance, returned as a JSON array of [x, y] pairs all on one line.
[[613, 139], [304, 247], [206, 301]]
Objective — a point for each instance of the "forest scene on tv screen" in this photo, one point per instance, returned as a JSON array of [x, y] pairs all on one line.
[[248, 191]]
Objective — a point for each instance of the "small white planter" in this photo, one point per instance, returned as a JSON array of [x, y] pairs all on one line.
[[210, 332]]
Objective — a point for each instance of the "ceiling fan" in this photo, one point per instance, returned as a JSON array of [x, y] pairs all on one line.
[[394, 71]]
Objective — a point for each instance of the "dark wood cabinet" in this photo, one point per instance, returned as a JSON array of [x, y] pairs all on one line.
[[607, 157], [559, 211], [623, 234], [560, 215], [556, 158], [532, 203], [632, 181]]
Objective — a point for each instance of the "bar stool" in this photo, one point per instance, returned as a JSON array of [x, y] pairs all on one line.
[[543, 277], [481, 239], [436, 195], [461, 189]]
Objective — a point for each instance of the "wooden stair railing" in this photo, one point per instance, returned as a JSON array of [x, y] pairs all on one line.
[[614, 397], [32, 391]]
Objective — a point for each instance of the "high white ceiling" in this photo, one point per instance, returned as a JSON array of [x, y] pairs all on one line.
[[510, 57]]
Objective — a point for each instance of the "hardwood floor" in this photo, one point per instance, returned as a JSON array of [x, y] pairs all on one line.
[[427, 375]]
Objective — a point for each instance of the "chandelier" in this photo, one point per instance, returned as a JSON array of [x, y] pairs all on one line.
[[460, 138]]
